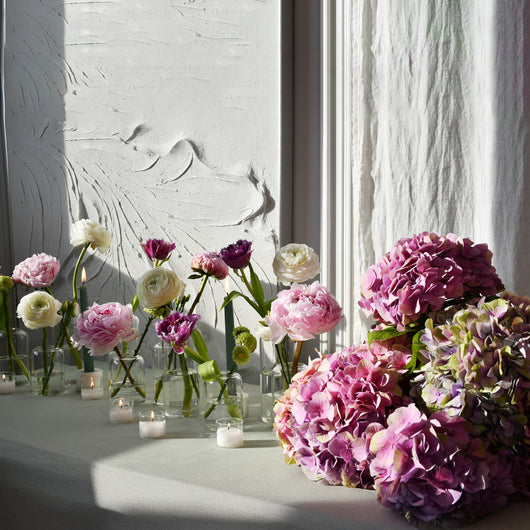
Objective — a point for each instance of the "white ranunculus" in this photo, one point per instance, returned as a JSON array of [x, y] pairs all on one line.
[[87, 231], [39, 310], [295, 262], [158, 287]]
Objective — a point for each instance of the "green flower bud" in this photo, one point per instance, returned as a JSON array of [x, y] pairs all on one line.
[[6, 284], [240, 355], [248, 340], [238, 330]]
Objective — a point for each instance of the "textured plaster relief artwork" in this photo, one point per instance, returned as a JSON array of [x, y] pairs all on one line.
[[156, 118]]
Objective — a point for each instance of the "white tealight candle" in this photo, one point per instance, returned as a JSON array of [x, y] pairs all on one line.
[[92, 392], [121, 411], [229, 432], [152, 424], [7, 383]]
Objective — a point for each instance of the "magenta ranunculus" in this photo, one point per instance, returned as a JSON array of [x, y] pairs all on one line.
[[326, 418], [302, 312], [102, 327], [176, 329], [237, 255], [421, 273], [211, 264], [158, 249], [38, 271]]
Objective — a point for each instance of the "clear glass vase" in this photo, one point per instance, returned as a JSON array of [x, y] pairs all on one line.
[[127, 377], [223, 397], [176, 382], [47, 371], [14, 352]]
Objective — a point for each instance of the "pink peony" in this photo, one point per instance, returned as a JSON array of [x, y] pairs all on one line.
[[211, 264], [302, 312], [102, 327], [38, 271], [421, 273]]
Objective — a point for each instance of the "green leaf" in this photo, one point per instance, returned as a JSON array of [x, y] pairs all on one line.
[[135, 302], [234, 294], [417, 345], [192, 354], [200, 345], [257, 288], [384, 334], [209, 371], [195, 276]]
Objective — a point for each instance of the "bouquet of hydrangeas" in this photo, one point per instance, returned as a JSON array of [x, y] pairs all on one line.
[[433, 410]]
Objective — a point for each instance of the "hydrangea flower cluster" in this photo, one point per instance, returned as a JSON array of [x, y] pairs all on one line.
[[434, 411], [479, 367], [421, 273], [327, 416]]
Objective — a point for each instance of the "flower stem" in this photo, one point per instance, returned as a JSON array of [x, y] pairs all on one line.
[[284, 363], [146, 329], [199, 294], [223, 391], [188, 388], [297, 356], [127, 375], [9, 336]]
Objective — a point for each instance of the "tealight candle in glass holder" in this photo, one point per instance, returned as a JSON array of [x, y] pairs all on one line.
[[121, 410], [7, 382], [229, 432], [93, 388], [152, 424]]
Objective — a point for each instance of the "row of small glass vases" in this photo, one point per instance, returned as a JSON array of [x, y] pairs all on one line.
[[176, 382], [16, 361], [180, 392]]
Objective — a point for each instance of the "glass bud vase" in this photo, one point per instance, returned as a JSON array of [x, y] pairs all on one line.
[[127, 377], [14, 351], [47, 371], [223, 397], [176, 382]]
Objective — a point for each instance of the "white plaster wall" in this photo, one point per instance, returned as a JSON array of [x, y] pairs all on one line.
[[158, 118]]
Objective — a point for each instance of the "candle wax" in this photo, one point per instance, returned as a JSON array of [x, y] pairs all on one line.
[[229, 437], [91, 393], [7, 385], [122, 414]]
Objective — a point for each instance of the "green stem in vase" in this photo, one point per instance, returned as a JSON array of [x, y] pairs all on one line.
[[297, 356], [281, 355], [9, 336], [128, 375], [146, 329], [223, 392], [188, 387]]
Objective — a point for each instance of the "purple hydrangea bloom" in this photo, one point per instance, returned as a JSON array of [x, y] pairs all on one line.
[[176, 329], [158, 249], [237, 255], [431, 468], [421, 273]]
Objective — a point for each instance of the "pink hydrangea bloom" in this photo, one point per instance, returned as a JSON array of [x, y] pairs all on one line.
[[326, 418], [210, 263], [38, 271], [421, 273], [102, 327], [302, 312]]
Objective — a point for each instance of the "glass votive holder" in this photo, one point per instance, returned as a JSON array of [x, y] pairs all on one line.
[[152, 424], [229, 432], [92, 386], [121, 410], [7, 382]]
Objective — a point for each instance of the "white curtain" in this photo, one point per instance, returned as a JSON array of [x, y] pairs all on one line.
[[438, 98]]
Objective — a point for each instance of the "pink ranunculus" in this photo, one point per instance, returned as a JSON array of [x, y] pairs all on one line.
[[102, 327], [210, 263], [302, 312], [38, 271]]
